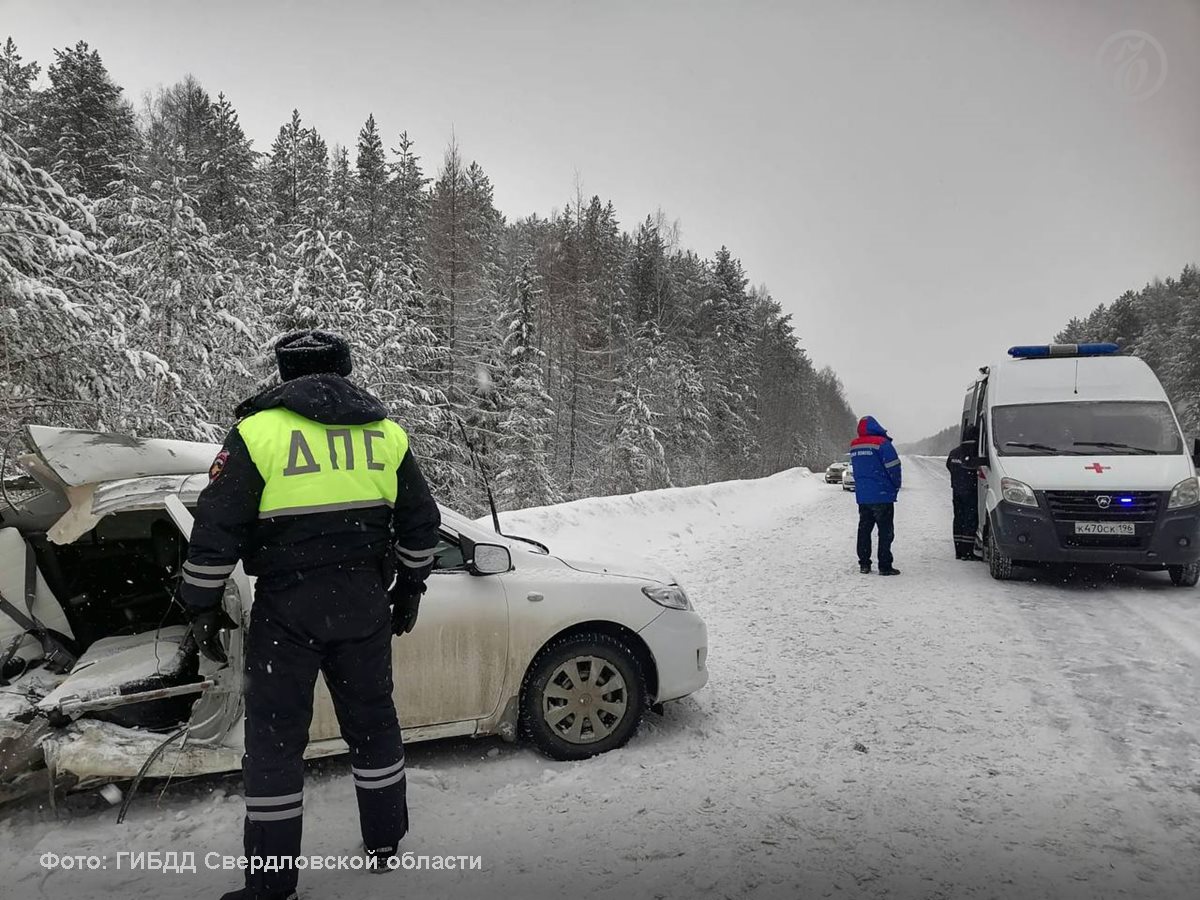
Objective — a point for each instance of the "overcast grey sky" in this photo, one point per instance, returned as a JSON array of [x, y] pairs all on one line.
[[921, 184]]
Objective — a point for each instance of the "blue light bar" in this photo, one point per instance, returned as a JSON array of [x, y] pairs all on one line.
[[1044, 351]]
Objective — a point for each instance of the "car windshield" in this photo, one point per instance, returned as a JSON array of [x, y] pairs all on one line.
[[1101, 428]]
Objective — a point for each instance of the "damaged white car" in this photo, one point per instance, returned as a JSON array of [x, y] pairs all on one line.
[[102, 679]]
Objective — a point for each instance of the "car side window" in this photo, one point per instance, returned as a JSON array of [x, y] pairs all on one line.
[[448, 554]]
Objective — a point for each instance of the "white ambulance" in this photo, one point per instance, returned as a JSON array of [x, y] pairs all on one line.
[[1081, 460]]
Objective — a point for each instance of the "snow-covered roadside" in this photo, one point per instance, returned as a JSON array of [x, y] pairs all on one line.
[[1017, 740], [670, 526]]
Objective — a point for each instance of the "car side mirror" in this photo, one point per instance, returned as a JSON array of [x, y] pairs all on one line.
[[1196, 453], [490, 559], [976, 462]]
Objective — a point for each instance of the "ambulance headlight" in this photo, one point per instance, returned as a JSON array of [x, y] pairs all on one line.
[[1186, 493], [1017, 492]]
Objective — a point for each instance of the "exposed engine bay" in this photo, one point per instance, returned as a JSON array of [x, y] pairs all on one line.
[[90, 633]]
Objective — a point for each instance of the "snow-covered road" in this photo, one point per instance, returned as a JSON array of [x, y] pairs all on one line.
[[1029, 739]]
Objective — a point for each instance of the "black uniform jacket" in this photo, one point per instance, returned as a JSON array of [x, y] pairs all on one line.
[[963, 478], [227, 527]]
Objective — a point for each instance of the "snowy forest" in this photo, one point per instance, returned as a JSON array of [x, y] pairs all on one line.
[[150, 256], [1161, 324]]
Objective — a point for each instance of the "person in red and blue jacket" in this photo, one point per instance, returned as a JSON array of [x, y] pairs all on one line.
[[876, 486]]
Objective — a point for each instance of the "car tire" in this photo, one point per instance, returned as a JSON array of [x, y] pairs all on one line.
[[1185, 576], [1000, 567], [560, 677]]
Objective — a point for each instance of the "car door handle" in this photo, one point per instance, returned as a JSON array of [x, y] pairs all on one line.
[[535, 597]]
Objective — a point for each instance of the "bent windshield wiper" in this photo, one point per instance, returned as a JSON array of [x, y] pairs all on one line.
[[1115, 445], [1046, 448]]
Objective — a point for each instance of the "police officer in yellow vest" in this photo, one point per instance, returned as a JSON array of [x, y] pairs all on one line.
[[317, 492]]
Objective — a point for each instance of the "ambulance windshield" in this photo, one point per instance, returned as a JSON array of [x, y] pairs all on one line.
[[1101, 428]]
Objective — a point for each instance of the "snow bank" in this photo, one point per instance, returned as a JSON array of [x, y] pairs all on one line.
[[666, 520]]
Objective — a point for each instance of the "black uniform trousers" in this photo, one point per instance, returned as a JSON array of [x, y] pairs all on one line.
[[966, 520], [870, 517], [336, 621]]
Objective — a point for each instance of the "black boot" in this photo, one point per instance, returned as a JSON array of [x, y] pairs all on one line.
[[248, 894], [890, 570], [865, 568]]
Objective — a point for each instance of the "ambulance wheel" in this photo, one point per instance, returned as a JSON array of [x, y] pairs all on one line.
[[584, 695], [1000, 566], [1184, 576]]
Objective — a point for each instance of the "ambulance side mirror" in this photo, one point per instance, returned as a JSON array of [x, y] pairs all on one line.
[[976, 462], [1196, 453]]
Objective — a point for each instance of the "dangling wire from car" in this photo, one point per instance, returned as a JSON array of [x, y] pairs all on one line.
[[141, 774]]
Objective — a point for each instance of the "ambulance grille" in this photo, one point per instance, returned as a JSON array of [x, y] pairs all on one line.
[[1089, 506]]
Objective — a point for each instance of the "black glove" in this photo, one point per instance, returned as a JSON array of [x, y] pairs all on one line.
[[406, 602], [207, 625]]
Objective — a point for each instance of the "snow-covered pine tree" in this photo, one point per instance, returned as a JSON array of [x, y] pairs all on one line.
[[396, 347], [17, 78], [371, 224], [178, 128], [725, 329], [522, 446], [789, 417], [312, 283], [298, 173], [686, 435], [84, 131], [396, 351], [649, 282], [410, 207], [183, 341], [341, 191], [639, 460], [461, 299], [228, 191], [58, 326], [398, 359], [315, 288], [314, 179], [1181, 374], [588, 391]]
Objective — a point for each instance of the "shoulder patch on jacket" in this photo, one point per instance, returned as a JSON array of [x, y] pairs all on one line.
[[218, 466]]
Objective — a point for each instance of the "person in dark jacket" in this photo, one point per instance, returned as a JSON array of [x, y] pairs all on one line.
[[964, 485], [316, 491], [876, 485]]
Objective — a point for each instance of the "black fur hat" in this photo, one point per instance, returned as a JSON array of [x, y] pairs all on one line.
[[312, 353]]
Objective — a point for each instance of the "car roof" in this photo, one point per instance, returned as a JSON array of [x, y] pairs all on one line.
[[1072, 379]]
